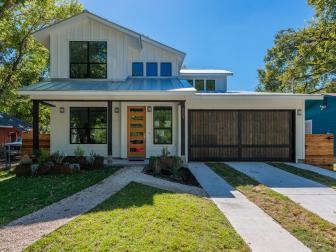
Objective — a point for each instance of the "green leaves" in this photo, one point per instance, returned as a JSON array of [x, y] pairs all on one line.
[[23, 61], [305, 58]]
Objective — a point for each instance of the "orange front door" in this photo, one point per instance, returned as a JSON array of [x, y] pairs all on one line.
[[136, 132]]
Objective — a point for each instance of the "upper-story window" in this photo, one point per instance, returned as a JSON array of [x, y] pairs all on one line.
[[210, 85], [137, 69], [88, 59], [199, 85], [166, 69], [151, 69]]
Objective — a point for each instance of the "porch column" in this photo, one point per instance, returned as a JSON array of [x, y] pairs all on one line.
[[109, 128], [182, 128], [36, 127]]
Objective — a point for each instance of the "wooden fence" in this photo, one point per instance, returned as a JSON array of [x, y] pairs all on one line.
[[27, 142], [320, 150]]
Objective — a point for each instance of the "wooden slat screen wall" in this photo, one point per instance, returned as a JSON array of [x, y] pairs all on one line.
[[257, 135], [320, 150], [27, 143]]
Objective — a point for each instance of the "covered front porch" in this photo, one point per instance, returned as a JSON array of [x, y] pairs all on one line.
[[102, 116], [115, 129]]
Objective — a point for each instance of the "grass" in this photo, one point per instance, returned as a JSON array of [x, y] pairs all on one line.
[[20, 196], [313, 231], [328, 181], [143, 218]]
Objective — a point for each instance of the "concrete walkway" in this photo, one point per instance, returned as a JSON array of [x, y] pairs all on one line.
[[311, 195], [258, 229], [26, 230], [315, 169]]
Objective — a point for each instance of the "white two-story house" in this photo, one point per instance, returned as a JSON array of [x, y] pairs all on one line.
[[123, 95]]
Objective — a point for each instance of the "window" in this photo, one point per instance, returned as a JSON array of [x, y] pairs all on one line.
[[137, 69], [166, 69], [199, 85], [163, 126], [152, 69], [88, 125], [210, 85], [88, 59]]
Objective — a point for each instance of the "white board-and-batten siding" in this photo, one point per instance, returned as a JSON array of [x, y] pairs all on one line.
[[122, 50]]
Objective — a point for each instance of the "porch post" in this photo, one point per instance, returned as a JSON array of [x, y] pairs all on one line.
[[109, 128], [182, 128], [36, 130]]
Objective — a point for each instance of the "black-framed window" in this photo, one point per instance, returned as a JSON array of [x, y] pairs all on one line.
[[166, 69], [88, 125], [210, 85], [137, 69], [88, 59], [199, 85], [163, 125], [151, 69]]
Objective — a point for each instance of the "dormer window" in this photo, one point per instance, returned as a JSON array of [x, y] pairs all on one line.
[[88, 59], [166, 69], [151, 69], [137, 69]]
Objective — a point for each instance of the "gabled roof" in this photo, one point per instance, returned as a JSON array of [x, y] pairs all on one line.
[[9, 121], [43, 34]]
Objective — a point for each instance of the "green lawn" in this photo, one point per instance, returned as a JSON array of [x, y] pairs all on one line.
[[143, 218], [313, 231], [20, 196], [328, 181]]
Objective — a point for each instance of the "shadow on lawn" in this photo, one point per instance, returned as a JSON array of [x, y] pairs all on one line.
[[128, 197]]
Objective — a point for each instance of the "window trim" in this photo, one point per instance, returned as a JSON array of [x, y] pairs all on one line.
[[171, 128], [206, 84], [88, 59], [203, 85], [88, 109], [157, 69], [138, 62], [171, 69]]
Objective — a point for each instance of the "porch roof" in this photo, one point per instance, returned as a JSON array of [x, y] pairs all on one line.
[[131, 84]]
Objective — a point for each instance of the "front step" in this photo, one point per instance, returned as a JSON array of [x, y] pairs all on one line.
[[126, 162]]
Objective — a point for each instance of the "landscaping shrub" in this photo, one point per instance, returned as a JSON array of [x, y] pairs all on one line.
[[79, 151], [170, 167], [57, 157], [23, 169]]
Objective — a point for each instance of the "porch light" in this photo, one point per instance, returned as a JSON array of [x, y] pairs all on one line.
[[299, 112], [149, 109], [61, 110], [116, 110]]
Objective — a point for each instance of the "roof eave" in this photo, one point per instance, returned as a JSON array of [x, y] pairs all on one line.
[[42, 35]]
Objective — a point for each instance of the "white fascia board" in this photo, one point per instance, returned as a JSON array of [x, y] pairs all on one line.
[[195, 75], [43, 34], [263, 95]]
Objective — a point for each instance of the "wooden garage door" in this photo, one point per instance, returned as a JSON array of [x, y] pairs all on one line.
[[244, 135]]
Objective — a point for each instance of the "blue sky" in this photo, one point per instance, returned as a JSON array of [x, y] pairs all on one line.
[[226, 34]]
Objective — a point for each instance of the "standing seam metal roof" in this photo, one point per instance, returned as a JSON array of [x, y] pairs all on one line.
[[131, 84]]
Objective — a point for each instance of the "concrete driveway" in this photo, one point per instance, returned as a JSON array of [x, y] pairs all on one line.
[[311, 195], [258, 229]]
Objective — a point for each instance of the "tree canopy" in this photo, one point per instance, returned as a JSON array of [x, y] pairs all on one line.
[[24, 61], [305, 58]]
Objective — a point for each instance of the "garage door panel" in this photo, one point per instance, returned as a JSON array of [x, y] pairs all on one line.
[[241, 135], [258, 154]]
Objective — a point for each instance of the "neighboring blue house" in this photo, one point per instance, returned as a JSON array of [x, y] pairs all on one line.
[[322, 115]]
